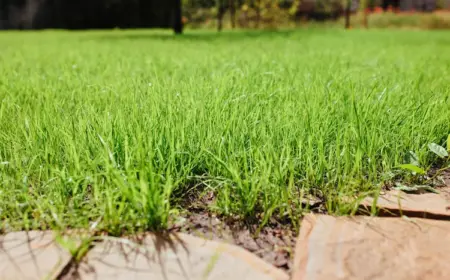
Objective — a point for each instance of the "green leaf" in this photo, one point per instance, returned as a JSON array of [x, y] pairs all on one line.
[[438, 150], [412, 168]]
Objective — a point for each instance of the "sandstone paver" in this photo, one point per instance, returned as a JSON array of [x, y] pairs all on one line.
[[31, 255], [176, 257], [372, 248], [426, 205]]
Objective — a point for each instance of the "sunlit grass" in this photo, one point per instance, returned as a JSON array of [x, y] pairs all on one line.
[[115, 129]]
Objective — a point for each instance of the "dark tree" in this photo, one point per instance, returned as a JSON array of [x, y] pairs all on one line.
[[394, 4], [347, 13], [90, 14], [178, 18], [220, 14], [232, 7], [258, 12]]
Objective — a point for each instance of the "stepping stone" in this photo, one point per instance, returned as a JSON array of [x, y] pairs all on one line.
[[31, 255], [372, 248], [175, 257], [427, 205]]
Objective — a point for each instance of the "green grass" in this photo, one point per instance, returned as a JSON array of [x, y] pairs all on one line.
[[117, 129]]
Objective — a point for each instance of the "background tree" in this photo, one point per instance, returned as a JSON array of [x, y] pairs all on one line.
[[365, 13], [232, 8], [90, 14], [220, 14], [258, 12], [177, 17], [347, 12]]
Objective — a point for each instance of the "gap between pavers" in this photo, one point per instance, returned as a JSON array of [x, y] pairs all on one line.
[[372, 248], [172, 257]]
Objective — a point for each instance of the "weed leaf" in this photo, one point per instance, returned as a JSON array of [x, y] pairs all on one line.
[[438, 150], [415, 189], [412, 168]]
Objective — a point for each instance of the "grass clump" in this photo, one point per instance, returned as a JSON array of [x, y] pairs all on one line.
[[115, 129]]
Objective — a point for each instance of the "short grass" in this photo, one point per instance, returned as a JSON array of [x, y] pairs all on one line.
[[119, 129]]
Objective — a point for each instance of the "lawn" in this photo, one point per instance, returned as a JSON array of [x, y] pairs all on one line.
[[126, 130]]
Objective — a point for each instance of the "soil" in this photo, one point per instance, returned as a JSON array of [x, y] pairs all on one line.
[[441, 179], [273, 243]]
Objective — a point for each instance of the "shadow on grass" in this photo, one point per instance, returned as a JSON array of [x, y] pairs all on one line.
[[202, 36]]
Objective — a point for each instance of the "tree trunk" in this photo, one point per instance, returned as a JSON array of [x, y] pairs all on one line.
[[177, 17], [258, 13], [232, 13], [365, 11], [220, 13], [347, 14], [4, 15], [366, 19]]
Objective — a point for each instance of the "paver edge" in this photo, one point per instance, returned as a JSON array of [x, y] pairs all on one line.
[[251, 259]]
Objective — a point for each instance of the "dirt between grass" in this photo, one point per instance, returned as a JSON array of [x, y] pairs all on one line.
[[273, 243]]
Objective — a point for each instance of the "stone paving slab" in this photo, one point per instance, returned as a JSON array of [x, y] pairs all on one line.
[[427, 205], [31, 255], [372, 248], [176, 257]]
